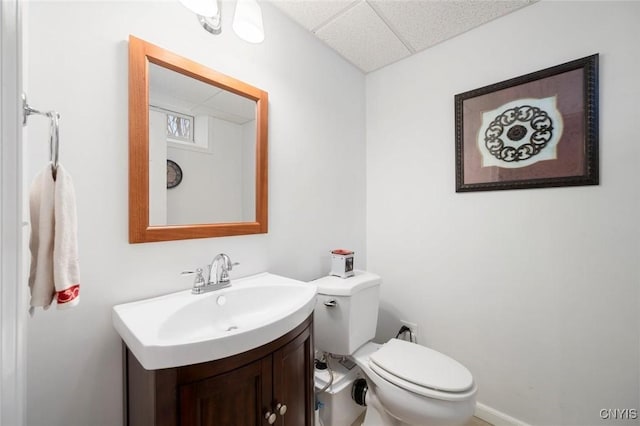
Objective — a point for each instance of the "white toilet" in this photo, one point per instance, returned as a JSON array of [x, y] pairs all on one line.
[[406, 384]]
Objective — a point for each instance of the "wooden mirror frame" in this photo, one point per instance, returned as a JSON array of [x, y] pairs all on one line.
[[141, 54]]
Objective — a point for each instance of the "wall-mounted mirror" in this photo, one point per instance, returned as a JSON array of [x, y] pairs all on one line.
[[197, 150]]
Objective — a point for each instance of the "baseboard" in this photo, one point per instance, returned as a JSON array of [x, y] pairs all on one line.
[[495, 417]]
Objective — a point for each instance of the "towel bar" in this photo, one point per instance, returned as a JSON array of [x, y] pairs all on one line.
[[54, 130]]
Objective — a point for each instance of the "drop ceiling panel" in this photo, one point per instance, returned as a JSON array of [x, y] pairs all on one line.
[[362, 37], [242, 109], [173, 84], [312, 14], [374, 33], [177, 92], [423, 24]]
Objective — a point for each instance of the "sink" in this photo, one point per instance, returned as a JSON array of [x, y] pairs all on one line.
[[182, 328]]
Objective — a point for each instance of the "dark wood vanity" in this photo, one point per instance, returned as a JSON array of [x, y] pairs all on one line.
[[271, 384]]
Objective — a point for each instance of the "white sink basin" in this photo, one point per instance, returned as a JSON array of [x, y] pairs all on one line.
[[183, 328]]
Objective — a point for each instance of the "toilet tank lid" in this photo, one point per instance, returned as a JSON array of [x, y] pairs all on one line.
[[336, 286]]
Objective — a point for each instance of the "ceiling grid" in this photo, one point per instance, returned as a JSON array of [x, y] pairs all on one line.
[[374, 33]]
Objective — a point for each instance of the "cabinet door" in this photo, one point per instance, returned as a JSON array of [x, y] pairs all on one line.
[[293, 381], [236, 398]]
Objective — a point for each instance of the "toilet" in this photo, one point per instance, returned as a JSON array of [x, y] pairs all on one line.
[[404, 383]]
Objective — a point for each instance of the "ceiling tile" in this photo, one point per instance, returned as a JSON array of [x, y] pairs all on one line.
[[312, 14], [363, 38], [374, 33], [241, 109], [170, 84], [424, 23]]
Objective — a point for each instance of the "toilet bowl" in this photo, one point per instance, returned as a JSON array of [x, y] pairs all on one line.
[[407, 384]]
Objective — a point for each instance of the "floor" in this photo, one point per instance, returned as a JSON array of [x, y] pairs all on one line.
[[473, 421]]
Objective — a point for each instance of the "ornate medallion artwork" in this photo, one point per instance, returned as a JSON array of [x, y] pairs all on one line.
[[532, 131], [520, 133]]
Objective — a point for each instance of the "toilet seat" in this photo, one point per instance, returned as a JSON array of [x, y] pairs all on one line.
[[422, 370]]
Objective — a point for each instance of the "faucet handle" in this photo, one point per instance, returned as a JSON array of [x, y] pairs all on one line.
[[224, 273], [199, 281]]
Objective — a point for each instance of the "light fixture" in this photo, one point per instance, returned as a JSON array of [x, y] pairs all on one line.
[[212, 24], [247, 19], [208, 12]]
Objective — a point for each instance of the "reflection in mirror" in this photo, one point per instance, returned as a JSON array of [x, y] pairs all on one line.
[[209, 133], [197, 150]]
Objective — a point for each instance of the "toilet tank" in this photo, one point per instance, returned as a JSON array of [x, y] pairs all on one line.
[[346, 313]]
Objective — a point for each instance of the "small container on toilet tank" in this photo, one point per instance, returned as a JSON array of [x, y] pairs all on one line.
[[342, 263]]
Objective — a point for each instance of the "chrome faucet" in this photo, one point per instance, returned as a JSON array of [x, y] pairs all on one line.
[[219, 270], [218, 275]]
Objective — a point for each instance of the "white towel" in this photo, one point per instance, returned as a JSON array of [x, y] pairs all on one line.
[[54, 270]]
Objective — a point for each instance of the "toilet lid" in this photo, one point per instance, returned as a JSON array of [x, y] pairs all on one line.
[[421, 366]]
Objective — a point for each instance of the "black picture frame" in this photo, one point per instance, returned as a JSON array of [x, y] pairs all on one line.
[[533, 131]]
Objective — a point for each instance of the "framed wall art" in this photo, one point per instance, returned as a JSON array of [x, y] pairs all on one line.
[[536, 130]]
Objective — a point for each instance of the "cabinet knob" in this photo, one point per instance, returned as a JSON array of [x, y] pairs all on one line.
[[271, 417], [281, 409]]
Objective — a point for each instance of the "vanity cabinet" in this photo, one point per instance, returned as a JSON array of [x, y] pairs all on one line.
[[271, 384]]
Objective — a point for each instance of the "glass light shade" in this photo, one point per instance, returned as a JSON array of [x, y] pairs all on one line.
[[206, 8], [247, 21]]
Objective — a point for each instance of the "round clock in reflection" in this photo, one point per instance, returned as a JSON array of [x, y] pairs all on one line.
[[174, 174]]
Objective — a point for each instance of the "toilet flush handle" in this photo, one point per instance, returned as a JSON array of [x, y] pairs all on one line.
[[331, 303]]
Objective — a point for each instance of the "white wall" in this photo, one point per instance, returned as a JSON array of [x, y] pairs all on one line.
[[157, 168], [77, 55], [535, 291], [248, 144], [220, 199]]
